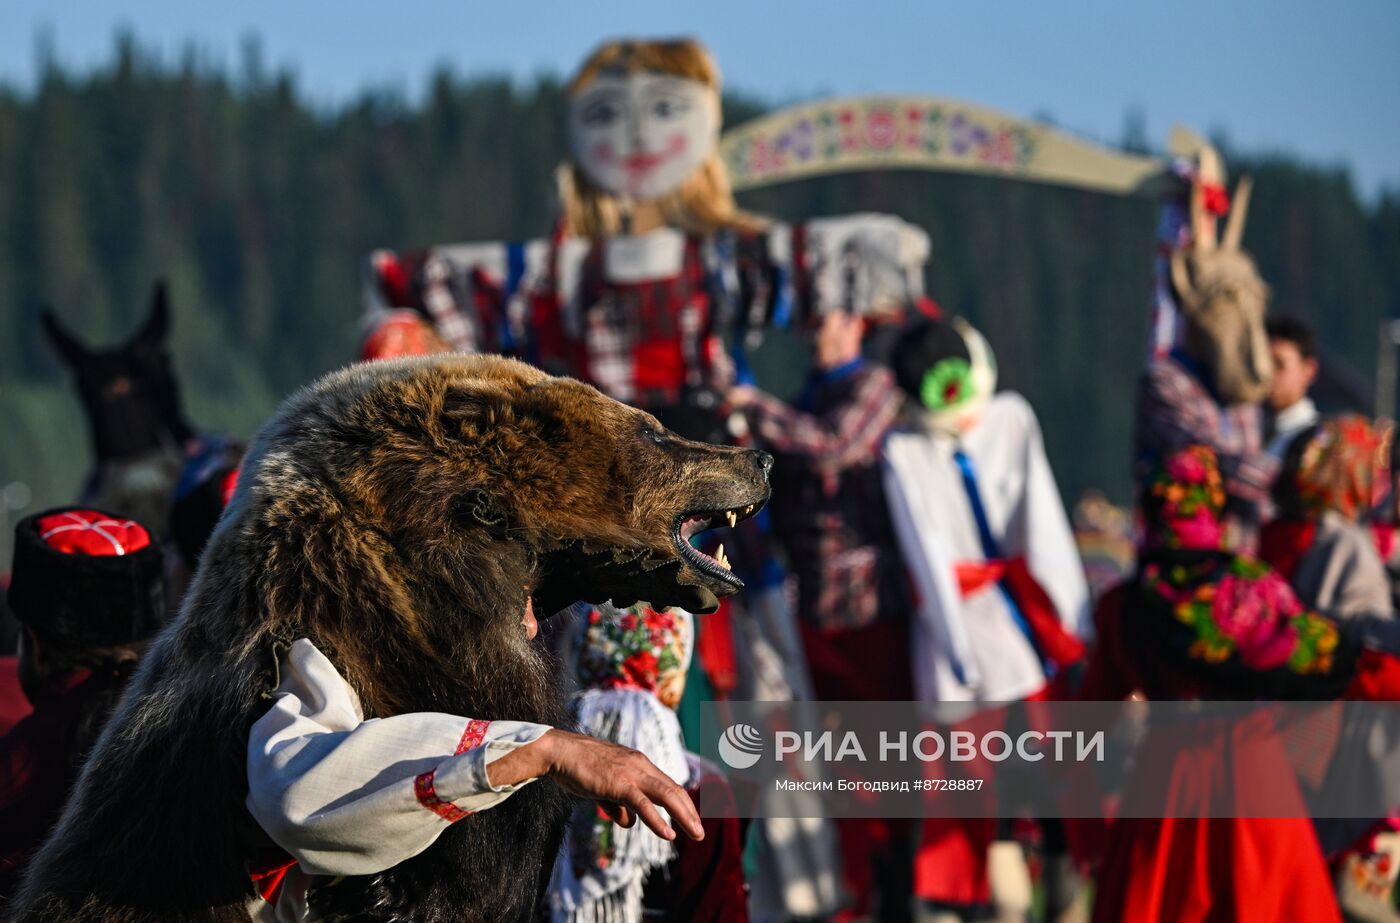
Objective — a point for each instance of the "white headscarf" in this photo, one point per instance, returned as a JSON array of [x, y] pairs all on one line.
[[602, 868]]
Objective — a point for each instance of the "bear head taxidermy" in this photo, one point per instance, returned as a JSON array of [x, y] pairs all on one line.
[[400, 515]]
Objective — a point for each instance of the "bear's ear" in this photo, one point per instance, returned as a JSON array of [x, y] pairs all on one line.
[[477, 508]]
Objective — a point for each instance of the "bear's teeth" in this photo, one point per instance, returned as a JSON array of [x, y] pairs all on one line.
[[732, 518]]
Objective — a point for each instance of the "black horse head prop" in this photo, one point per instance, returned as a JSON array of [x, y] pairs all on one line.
[[129, 393]]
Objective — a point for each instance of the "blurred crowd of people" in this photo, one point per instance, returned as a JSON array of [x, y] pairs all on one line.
[[918, 512], [916, 548]]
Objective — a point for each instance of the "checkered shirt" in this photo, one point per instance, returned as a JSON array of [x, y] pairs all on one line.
[[828, 502]]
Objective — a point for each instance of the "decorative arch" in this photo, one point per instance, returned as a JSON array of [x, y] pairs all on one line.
[[928, 133]]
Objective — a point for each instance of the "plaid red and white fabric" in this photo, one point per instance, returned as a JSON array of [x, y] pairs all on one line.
[[644, 342], [646, 336], [423, 281]]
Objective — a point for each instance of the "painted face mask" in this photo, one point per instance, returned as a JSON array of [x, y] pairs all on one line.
[[642, 135]]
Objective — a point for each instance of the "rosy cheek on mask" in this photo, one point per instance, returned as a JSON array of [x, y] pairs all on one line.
[[602, 152]]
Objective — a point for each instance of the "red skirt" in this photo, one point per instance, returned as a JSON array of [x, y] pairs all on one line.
[[1214, 870], [1223, 869]]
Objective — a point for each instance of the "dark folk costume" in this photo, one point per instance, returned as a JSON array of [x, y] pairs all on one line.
[[828, 504], [1211, 365], [830, 516], [1177, 406], [84, 582]]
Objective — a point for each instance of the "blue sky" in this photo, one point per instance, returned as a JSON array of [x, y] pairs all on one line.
[[1320, 80]]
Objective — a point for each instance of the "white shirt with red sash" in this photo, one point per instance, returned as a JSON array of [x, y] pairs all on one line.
[[967, 643]]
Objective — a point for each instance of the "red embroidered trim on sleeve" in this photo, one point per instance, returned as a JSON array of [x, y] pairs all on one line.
[[426, 792], [472, 736], [424, 787]]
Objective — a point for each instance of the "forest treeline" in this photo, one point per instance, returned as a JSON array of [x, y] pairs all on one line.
[[259, 207]]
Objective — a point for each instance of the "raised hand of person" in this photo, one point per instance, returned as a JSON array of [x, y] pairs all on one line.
[[624, 782]]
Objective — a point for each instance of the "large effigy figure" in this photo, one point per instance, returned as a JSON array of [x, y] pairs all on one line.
[[651, 262], [650, 287]]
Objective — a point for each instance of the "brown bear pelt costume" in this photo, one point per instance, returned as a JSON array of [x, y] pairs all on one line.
[[397, 514]]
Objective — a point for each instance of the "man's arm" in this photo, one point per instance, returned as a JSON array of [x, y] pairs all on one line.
[[848, 435], [346, 796]]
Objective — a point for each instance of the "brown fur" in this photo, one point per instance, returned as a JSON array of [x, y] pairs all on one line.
[[396, 514]]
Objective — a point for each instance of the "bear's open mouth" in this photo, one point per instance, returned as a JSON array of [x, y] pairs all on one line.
[[692, 523], [685, 577]]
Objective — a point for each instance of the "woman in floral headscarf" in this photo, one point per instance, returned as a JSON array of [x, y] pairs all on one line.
[[1333, 475], [1200, 622], [631, 670]]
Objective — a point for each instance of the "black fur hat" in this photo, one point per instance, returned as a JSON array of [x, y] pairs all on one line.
[[920, 347], [86, 578]]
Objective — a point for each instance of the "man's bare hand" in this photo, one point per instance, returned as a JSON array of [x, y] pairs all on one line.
[[624, 782]]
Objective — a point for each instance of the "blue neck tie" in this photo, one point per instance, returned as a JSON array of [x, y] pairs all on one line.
[[992, 551]]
